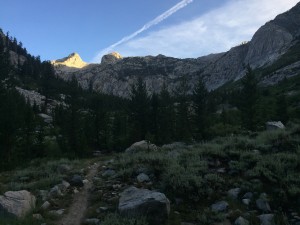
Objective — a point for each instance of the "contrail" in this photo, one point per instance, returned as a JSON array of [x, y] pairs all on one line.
[[153, 22]]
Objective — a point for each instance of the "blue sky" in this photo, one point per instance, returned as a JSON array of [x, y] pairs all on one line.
[[53, 29]]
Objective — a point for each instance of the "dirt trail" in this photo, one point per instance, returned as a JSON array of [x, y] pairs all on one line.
[[79, 205]]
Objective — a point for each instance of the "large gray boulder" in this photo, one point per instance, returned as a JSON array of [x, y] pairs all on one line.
[[18, 203], [141, 146], [155, 206], [274, 125]]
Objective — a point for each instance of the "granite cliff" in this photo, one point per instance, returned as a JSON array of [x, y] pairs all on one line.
[[115, 74]]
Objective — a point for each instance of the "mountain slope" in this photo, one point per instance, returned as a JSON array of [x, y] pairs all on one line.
[[115, 74]]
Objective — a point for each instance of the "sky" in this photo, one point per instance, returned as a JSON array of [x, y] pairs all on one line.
[[178, 28]]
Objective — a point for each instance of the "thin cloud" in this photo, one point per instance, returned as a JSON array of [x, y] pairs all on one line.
[[216, 31], [148, 25]]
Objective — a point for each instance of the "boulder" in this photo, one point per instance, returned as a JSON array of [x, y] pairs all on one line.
[[234, 193], [263, 205], [266, 219], [17, 203], [155, 206], [46, 205], [274, 125], [76, 181], [55, 192], [241, 221], [219, 206], [141, 178], [108, 173], [141, 146]]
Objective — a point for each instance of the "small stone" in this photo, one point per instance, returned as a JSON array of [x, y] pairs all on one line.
[[220, 206], [108, 173], [263, 205], [65, 184], [37, 216], [241, 221], [266, 219], [234, 193], [57, 213], [141, 178], [75, 191], [103, 208], [45, 205], [55, 192], [76, 181], [248, 195], [246, 201], [85, 181]]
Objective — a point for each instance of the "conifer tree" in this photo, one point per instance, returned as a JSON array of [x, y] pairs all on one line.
[[249, 97], [200, 109], [139, 110]]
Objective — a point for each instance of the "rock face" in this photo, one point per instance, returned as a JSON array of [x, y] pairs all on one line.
[[111, 58], [73, 60], [142, 202], [115, 74], [17, 203], [141, 146]]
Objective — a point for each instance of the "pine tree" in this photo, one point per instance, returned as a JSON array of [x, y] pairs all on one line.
[[200, 109], [249, 97], [139, 110], [183, 126], [166, 117]]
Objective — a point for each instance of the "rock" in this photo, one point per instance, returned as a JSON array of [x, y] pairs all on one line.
[[111, 58], [57, 213], [76, 181], [55, 192], [46, 205], [220, 206], [234, 193], [174, 146], [65, 184], [248, 195], [266, 219], [246, 201], [44, 194], [108, 173], [85, 181], [141, 178], [274, 125], [73, 60], [64, 168], [241, 221], [263, 205], [141, 146], [92, 221], [37, 216], [142, 202], [46, 118], [17, 203]]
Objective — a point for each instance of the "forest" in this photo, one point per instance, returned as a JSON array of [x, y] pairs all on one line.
[[91, 121]]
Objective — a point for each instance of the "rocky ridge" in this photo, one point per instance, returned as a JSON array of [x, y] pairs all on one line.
[[114, 75]]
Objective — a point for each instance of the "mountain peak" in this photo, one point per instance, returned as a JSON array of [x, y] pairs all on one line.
[[73, 60], [111, 58]]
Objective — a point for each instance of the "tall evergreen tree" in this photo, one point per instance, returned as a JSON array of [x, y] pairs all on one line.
[[139, 110], [166, 117], [183, 125], [200, 109], [249, 97]]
